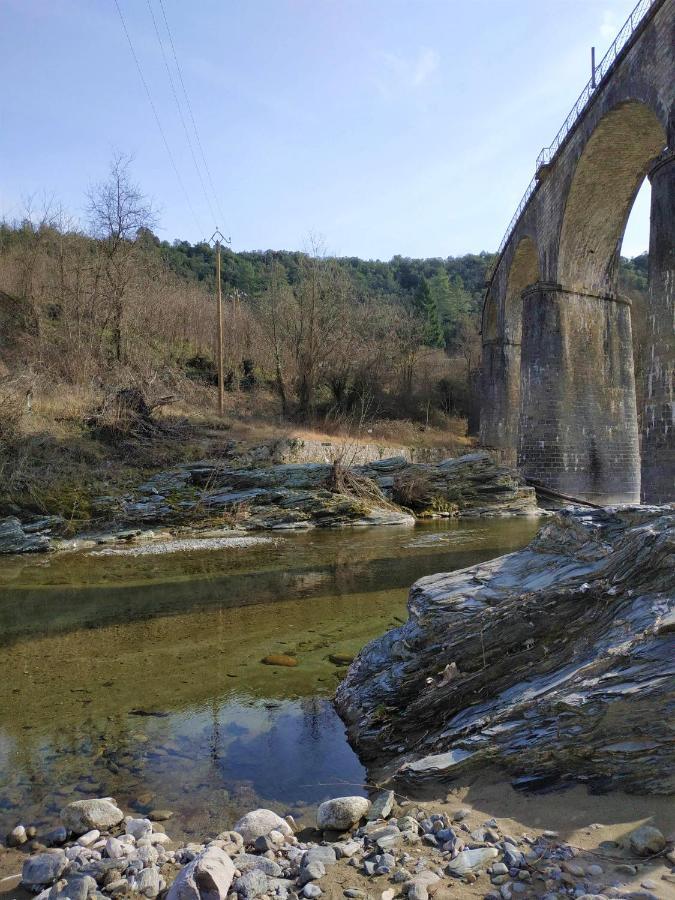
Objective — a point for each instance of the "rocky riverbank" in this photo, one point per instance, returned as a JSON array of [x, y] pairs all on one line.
[[183, 501], [554, 663], [358, 849]]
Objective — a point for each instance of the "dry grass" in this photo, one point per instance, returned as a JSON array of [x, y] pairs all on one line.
[[51, 463]]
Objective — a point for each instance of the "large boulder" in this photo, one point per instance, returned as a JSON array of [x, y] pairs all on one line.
[[84, 815], [259, 823], [207, 877], [341, 813], [552, 662]]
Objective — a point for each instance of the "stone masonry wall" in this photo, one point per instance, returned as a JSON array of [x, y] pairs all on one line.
[[578, 424]]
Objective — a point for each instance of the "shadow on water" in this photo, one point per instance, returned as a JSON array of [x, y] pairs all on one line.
[[141, 677]]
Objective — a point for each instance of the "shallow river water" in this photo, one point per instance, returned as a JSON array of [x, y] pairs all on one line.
[[141, 677]]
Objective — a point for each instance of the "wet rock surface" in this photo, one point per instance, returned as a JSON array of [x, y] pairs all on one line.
[[554, 662]]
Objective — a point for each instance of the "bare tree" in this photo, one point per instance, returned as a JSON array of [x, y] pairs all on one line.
[[272, 307], [117, 211]]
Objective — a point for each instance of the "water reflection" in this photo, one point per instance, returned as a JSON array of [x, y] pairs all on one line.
[[141, 678]]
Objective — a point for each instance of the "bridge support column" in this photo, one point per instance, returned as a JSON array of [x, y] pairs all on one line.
[[578, 420], [500, 394], [658, 442]]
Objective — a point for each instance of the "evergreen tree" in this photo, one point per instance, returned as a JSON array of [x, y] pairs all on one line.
[[426, 306]]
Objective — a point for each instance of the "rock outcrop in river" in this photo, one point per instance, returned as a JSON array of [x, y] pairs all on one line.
[[299, 496], [553, 662]]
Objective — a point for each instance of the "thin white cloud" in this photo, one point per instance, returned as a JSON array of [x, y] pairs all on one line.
[[427, 63], [396, 72]]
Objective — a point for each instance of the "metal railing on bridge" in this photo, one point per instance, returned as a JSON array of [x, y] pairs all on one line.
[[601, 70]]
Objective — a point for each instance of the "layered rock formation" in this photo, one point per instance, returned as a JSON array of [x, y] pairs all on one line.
[[303, 495], [556, 661]]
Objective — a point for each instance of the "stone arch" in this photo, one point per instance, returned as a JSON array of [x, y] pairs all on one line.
[[607, 177], [524, 271], [490, 324]]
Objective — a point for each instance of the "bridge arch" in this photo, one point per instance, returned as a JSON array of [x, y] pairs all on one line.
[[523, 272], [490, 325], [607, 177]]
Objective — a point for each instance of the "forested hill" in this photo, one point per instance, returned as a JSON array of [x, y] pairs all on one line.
[[248, 270]]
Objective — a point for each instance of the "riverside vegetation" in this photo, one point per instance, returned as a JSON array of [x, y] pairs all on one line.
[[549, 666], [382, 351]]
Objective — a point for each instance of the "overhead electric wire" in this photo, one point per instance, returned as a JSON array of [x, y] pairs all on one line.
[[192, 118], [180, 112], [157, 119]]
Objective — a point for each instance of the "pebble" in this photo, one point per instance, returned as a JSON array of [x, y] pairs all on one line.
[[160, 815], [418, 891], [149, 882], [55, 836], [324, 855], [44, 868], [285, 866], [279, 659], [86, 840], [381, 807], [311, 872], [347, 849], [251, 884], [341, 813], [574, 869], [471, 859], [138, 828], [646, 840], [17, 836]]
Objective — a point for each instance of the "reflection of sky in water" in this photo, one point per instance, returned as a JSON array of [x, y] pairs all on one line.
[[141, 678], [295, 752]]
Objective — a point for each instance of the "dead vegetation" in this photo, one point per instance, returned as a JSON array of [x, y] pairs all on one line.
[[342, 480]]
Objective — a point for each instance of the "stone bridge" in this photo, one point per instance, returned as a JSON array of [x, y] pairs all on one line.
[[558, 378]]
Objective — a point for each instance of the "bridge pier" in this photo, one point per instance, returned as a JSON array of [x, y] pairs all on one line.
[[578, 420], [658, 443], [500, 391]]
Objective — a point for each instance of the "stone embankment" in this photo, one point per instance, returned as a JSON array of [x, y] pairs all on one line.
[[555, 662], [358, 850], [293, 496]]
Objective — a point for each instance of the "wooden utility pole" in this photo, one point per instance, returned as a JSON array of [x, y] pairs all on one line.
[[218, 237]]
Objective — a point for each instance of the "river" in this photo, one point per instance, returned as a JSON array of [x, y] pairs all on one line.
[[141, 677]]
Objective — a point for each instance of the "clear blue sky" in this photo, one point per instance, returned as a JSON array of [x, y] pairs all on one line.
[[386, 126]]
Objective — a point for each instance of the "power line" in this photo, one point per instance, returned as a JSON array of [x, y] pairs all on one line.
[[189, 106], [180, 112], [157, 119]]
